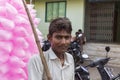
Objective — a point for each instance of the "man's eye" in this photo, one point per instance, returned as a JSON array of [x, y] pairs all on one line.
[[67, 37], [58, 37]]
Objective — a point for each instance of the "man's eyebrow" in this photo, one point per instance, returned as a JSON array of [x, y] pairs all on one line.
[[63, 36]]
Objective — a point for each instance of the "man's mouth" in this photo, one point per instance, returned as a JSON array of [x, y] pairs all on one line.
[[64, 48]]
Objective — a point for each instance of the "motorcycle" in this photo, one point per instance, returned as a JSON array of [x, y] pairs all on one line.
[[46, 45], [81, 73], [104, 71], [74, 49]]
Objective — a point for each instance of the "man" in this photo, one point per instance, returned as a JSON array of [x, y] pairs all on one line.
[[60, 63], [81, 39], [82, 35]]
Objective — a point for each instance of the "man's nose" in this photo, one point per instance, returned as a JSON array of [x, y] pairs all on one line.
[[63, 40]]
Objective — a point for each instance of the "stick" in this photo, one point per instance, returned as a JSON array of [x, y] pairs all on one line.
[[38, 43]]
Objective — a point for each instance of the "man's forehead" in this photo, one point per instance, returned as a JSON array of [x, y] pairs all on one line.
[[62, 33]]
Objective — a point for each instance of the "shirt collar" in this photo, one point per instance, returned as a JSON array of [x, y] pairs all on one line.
[[53, 56]]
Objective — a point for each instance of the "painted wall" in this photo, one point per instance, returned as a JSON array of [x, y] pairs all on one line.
[[74, 11], [43, 26]]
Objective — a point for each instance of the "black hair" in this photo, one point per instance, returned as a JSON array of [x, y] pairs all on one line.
[[60, 24], [79, 30]]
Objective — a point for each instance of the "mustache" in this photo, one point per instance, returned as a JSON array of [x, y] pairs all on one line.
[[64, 46]]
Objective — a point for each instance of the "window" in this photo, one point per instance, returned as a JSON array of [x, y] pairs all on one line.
[[54, 10]]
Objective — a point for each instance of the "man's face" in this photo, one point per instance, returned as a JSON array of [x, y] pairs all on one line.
[[60, 41]]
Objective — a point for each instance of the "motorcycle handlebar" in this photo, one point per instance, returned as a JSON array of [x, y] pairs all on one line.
[[99, 62]]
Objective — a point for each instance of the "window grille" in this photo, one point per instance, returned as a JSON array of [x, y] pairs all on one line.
[[55, 9]]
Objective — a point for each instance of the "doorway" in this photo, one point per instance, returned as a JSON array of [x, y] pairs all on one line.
[[102, 21]]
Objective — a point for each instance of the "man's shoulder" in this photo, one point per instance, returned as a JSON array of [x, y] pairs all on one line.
[[69, 55], [70, 58], [35, 57]]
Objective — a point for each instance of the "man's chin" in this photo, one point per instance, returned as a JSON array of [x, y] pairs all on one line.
[[63, 51]]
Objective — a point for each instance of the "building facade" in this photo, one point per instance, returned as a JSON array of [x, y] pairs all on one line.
[[50, 9], [99, 19]]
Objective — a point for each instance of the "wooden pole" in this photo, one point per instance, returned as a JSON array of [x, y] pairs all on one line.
[[38, 43]]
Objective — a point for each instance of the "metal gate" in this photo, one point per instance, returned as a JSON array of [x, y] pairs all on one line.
[[99, 22]]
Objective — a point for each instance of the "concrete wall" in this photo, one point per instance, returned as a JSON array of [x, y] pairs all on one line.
[[74, 11], [43, 26]]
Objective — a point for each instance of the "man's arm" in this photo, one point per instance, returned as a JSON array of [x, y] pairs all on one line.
[[35, 68]]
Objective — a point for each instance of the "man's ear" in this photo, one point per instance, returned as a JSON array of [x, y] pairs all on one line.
[[49, 37]]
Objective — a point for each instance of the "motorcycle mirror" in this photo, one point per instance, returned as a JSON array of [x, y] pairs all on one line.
[[80, 35], [107, 48], [84, 56]]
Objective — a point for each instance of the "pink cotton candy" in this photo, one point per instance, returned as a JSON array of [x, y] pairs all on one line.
[[6, 46], [3, 2], [11, 10], [7, 37], [20, 31], [4, 58], [6, 23], [2, 11], [17, 43]]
